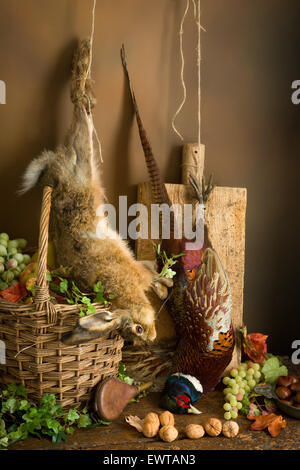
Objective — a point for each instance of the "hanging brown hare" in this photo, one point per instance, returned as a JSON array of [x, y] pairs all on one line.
[[83, 240]]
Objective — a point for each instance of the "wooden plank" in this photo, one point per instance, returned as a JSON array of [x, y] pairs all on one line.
[[225, 218], [192, 162]]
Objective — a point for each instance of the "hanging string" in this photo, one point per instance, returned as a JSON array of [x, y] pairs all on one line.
[[197, 12], [89, 72], [182, 70]]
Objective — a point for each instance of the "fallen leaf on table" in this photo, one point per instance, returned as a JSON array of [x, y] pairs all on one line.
[[273, 422]]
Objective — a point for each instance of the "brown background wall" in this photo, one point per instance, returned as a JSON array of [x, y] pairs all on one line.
[[250, 56]]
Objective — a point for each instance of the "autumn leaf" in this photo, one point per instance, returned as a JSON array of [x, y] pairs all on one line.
[[271, 421], [14, 293]]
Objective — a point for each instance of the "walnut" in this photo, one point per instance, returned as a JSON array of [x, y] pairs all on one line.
[[213, 427], [230, 429], [152, 418], [150, 428], [167, 419], [168, 433], [194, 431]]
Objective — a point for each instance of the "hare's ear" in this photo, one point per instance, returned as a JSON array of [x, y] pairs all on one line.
[[94, 326], [35, 169]]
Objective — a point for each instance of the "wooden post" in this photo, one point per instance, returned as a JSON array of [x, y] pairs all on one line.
[[192, 162]]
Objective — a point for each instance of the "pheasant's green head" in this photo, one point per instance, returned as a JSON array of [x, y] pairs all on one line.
[[180, 392]]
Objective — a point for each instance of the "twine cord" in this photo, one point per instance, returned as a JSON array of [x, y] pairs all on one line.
[[197, 13], [89, 74]]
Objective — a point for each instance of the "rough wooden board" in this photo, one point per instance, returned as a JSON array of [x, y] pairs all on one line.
[[225, 216], [120, 436]]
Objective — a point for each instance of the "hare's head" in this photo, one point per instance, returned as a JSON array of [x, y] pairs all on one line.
[[137, 325]]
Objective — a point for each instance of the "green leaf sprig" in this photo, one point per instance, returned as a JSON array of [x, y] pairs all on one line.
[[20, 418], [167, 262], [73, 294]]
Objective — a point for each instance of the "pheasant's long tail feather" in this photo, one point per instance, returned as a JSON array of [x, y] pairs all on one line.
[[159, 192]]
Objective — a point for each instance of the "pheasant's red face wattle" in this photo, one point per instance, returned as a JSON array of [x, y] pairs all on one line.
[[183, 401]]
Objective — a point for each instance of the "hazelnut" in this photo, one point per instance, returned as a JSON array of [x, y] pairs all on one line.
[[213, 427], [294, 378], [284, 381], [297, 398], [283, 392], [194, 431], [167, 419], [150, 429], [230, 429], [168, 433], [295, 387]]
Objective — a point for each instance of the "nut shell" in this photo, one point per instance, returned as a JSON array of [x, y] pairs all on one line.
[[152, 418], [213, 427], [295, 387], [168, 433], [230, 429], [285, 381], [167, 419], [150, 429], [283, 392], [194, 431]]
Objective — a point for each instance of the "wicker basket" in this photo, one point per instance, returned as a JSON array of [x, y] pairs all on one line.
[[31, 336]]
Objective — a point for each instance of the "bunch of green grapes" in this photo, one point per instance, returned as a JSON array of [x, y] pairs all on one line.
[[12, 260], [241, 381]]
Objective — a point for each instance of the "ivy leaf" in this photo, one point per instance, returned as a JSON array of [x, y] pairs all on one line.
[[63, 286], [72, 416], [48, 276], [84, 421], [272, 369], [2, 428]]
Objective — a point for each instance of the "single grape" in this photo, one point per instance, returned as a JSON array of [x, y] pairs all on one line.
[[12, 251], [251, 383], [243, 366], [12, 244], [234, 373], [241, 391], [239, 396], [234, 414], [227, 407], [3, 242], [4, 236], [227, 390], [256, 366], [250, 371], [247, 388], [19, 258], [229, 396], [3, 250], [22, 266], [231, 382], [2, 268], [233, 401], [27, 260], [239, 405], [12, 263], [235, 389], [3, 285], [257, 375], [16, 272], [227, 415], [242, 374], [2, 260], [8, 276], [22, 243], [226, 380]]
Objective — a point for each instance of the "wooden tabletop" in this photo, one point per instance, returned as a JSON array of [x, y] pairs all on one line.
[[120, 436]]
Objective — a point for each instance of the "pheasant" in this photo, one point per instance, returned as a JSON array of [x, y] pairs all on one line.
[[200, 301]]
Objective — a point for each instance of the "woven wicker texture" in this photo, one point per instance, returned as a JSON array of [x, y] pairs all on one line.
[[32, 335]]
